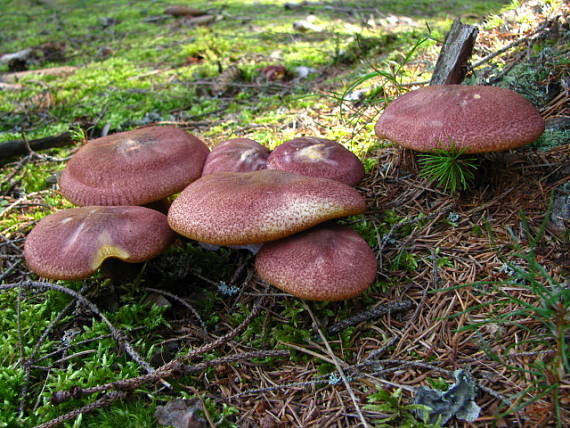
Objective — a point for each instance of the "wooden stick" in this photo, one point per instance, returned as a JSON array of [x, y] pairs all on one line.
[[451, 64], [20, 147]]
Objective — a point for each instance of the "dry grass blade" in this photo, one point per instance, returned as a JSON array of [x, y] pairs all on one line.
[[338, 367]]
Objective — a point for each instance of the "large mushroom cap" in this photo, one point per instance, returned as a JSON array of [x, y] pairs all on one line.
[[236, 155], [133, 168], [240, 208], [317, 157], [327, 263], [73, 243], [472, 119]]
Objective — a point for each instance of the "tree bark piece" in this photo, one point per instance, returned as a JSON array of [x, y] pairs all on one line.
[[451, 64], [19, 147]]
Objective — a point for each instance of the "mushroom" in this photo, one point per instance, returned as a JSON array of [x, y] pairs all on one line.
[[236, 155], [327, 263], [73, 243], [469, 119], [133, 168], [317, 157], [240, 208]]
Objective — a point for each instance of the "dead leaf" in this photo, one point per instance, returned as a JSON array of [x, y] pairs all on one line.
[[181, 413]]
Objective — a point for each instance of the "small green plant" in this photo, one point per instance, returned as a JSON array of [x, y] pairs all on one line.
[[396, 413], [449, 168], [550, 308]]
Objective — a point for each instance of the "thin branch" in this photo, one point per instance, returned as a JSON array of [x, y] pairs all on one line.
[[172, 368], [117, 334], [370, 314], [535, 34], [338, 367], [104, 401]]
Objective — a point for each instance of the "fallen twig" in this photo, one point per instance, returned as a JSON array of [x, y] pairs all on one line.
[[338, 367], [117, 335], [21, 147], [172, 368], [511, 45], [104, 401], [369, 315]]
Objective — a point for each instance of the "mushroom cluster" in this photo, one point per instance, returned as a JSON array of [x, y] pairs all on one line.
[[108, 179], [238, 194]]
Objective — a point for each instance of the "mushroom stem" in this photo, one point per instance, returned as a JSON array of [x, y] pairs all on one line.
[[120, 272], [161, 206]]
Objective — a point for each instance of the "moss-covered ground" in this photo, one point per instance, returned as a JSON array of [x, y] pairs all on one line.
[[484, 269]]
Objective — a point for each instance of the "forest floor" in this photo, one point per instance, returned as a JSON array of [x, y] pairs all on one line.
[[474, 281]]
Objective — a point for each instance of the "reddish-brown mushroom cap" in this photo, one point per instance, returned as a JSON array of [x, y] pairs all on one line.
[[133, 168], [236, 155], [327, 263], [240, 208], [317, 157], [73, 243], [472, 119]]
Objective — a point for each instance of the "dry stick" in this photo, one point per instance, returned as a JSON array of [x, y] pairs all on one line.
[[511, 45], [169, 369], [377, 352], [36, 155], [23, 146], [104, 401], [369, 315], [117, 335], [233, 359], [17, 169], [338, 366], [322, 379], [172, 368], [10, 269]]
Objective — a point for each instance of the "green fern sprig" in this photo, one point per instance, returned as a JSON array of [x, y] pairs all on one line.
[[448, 168]]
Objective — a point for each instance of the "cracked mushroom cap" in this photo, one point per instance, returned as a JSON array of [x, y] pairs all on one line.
[[474, 119], [317, 157], [236, 155], [241, 208], [133, 168], [73, 243], [327, 263]]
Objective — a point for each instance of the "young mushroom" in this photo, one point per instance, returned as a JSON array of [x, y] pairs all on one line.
[[241, 208], [236, 155], [73, 243], [317, 157], [327, 263], [468, 119], [133, 168]]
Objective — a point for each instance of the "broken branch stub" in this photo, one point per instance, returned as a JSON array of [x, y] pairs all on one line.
[[456, 50]]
